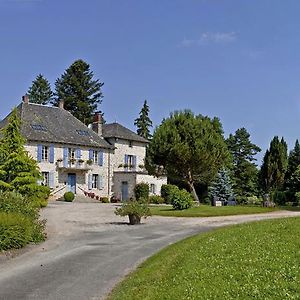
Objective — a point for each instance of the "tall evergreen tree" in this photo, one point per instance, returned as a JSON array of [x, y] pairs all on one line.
[[274, 166], [40, 91], [18, 171], [243, 156], [293, 163], [79, 91], [222, 186], [143, 122]]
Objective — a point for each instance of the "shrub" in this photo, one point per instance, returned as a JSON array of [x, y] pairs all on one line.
[[297, 196], [141, 191], [167, 190], [156, 199], [278, 197], [69, 196], [104, 199], [181, 199], [15, 230]]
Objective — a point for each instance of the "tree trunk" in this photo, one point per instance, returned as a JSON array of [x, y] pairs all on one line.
[[191, 185]]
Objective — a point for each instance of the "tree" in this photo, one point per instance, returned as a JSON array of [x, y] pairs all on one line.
[[293, 163], [40, 91], [143, 122], [18, 171], [79, 91], [222, 186], [274, 167], [244, 168], [188, 147]]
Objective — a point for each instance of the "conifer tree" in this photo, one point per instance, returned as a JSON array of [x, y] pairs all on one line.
[[222, 186], [80, 92], [40, 91], [18, 171], [293, 163], [143, 122], [243, 153], [274, 166]]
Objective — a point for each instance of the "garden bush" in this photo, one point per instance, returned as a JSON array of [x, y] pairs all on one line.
[[278, 197], [104, 200], [69, 196], [297, 196], [181, 199], [16, 230], [155, 199], [141, 191], [167, 190]]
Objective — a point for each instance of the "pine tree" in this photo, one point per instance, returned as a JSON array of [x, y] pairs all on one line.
[[18, 171], [79, 91], [293, 163], [143, 122], [243, 156], [222, 186], [274, 167], [40, 91]]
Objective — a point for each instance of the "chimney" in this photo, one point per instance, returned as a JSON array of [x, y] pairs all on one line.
[[97, 124], [61, 104], [25, 99]]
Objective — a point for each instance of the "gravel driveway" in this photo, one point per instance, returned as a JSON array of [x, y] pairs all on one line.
[[89, 250]]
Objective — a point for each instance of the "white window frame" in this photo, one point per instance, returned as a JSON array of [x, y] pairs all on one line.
[[46, 178], [95, 178], [95, 157], [71, 153], [45, 153]]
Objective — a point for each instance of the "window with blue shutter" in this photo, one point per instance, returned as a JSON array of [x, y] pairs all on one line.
[[91, 152], [51, 156], [134, 162], [39, 153], [100, 158], [66, 154], [51, 180], [78, 153], [126, 162], [90, 181]]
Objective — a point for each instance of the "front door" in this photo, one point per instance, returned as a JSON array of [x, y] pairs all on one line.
[[72, 183], [124, 190]]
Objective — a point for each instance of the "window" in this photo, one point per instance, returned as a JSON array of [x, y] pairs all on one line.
[[130, 144], [71, 153], [45, 180], [95, 157], [45, 153], [95, 181], [82, 132], [152, 188], [38, 127]]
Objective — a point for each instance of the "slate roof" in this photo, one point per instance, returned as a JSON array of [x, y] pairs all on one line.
[[55, 125], [116, 130]]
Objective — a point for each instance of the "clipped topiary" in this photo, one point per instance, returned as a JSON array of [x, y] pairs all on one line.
[[69, 196], [141, 191]]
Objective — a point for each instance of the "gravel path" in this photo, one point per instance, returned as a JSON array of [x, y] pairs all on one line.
[[89, 250]]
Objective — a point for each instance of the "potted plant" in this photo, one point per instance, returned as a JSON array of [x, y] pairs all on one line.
[[72, 160], [135, 210], [89, 161], [80, 161]]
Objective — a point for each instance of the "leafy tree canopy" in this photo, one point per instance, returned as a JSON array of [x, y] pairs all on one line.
[[188, 147], [40, 91], [80, 92], [143, 122]]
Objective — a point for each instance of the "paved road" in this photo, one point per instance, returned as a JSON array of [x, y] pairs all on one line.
[[89, 250]]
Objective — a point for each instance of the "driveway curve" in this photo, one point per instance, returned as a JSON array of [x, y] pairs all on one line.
[[89, 250]]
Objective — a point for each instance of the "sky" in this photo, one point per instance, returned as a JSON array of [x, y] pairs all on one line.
[[234, 59]]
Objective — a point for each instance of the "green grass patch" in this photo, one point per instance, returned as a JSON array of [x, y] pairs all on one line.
[[209, 211], [258, 260]]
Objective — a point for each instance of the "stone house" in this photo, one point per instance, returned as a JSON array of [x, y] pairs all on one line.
[[105, 159]]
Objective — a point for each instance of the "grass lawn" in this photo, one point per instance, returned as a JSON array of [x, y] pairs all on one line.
[[258, 260], [209, 211]]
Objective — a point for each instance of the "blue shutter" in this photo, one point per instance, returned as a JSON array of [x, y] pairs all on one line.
[[51, 156], [90, 181], [100, 182], [91, 154], [100, 158], [134, 162], [78, 153], [126, 162], [39, 153], [51, 180], [66, 154]]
